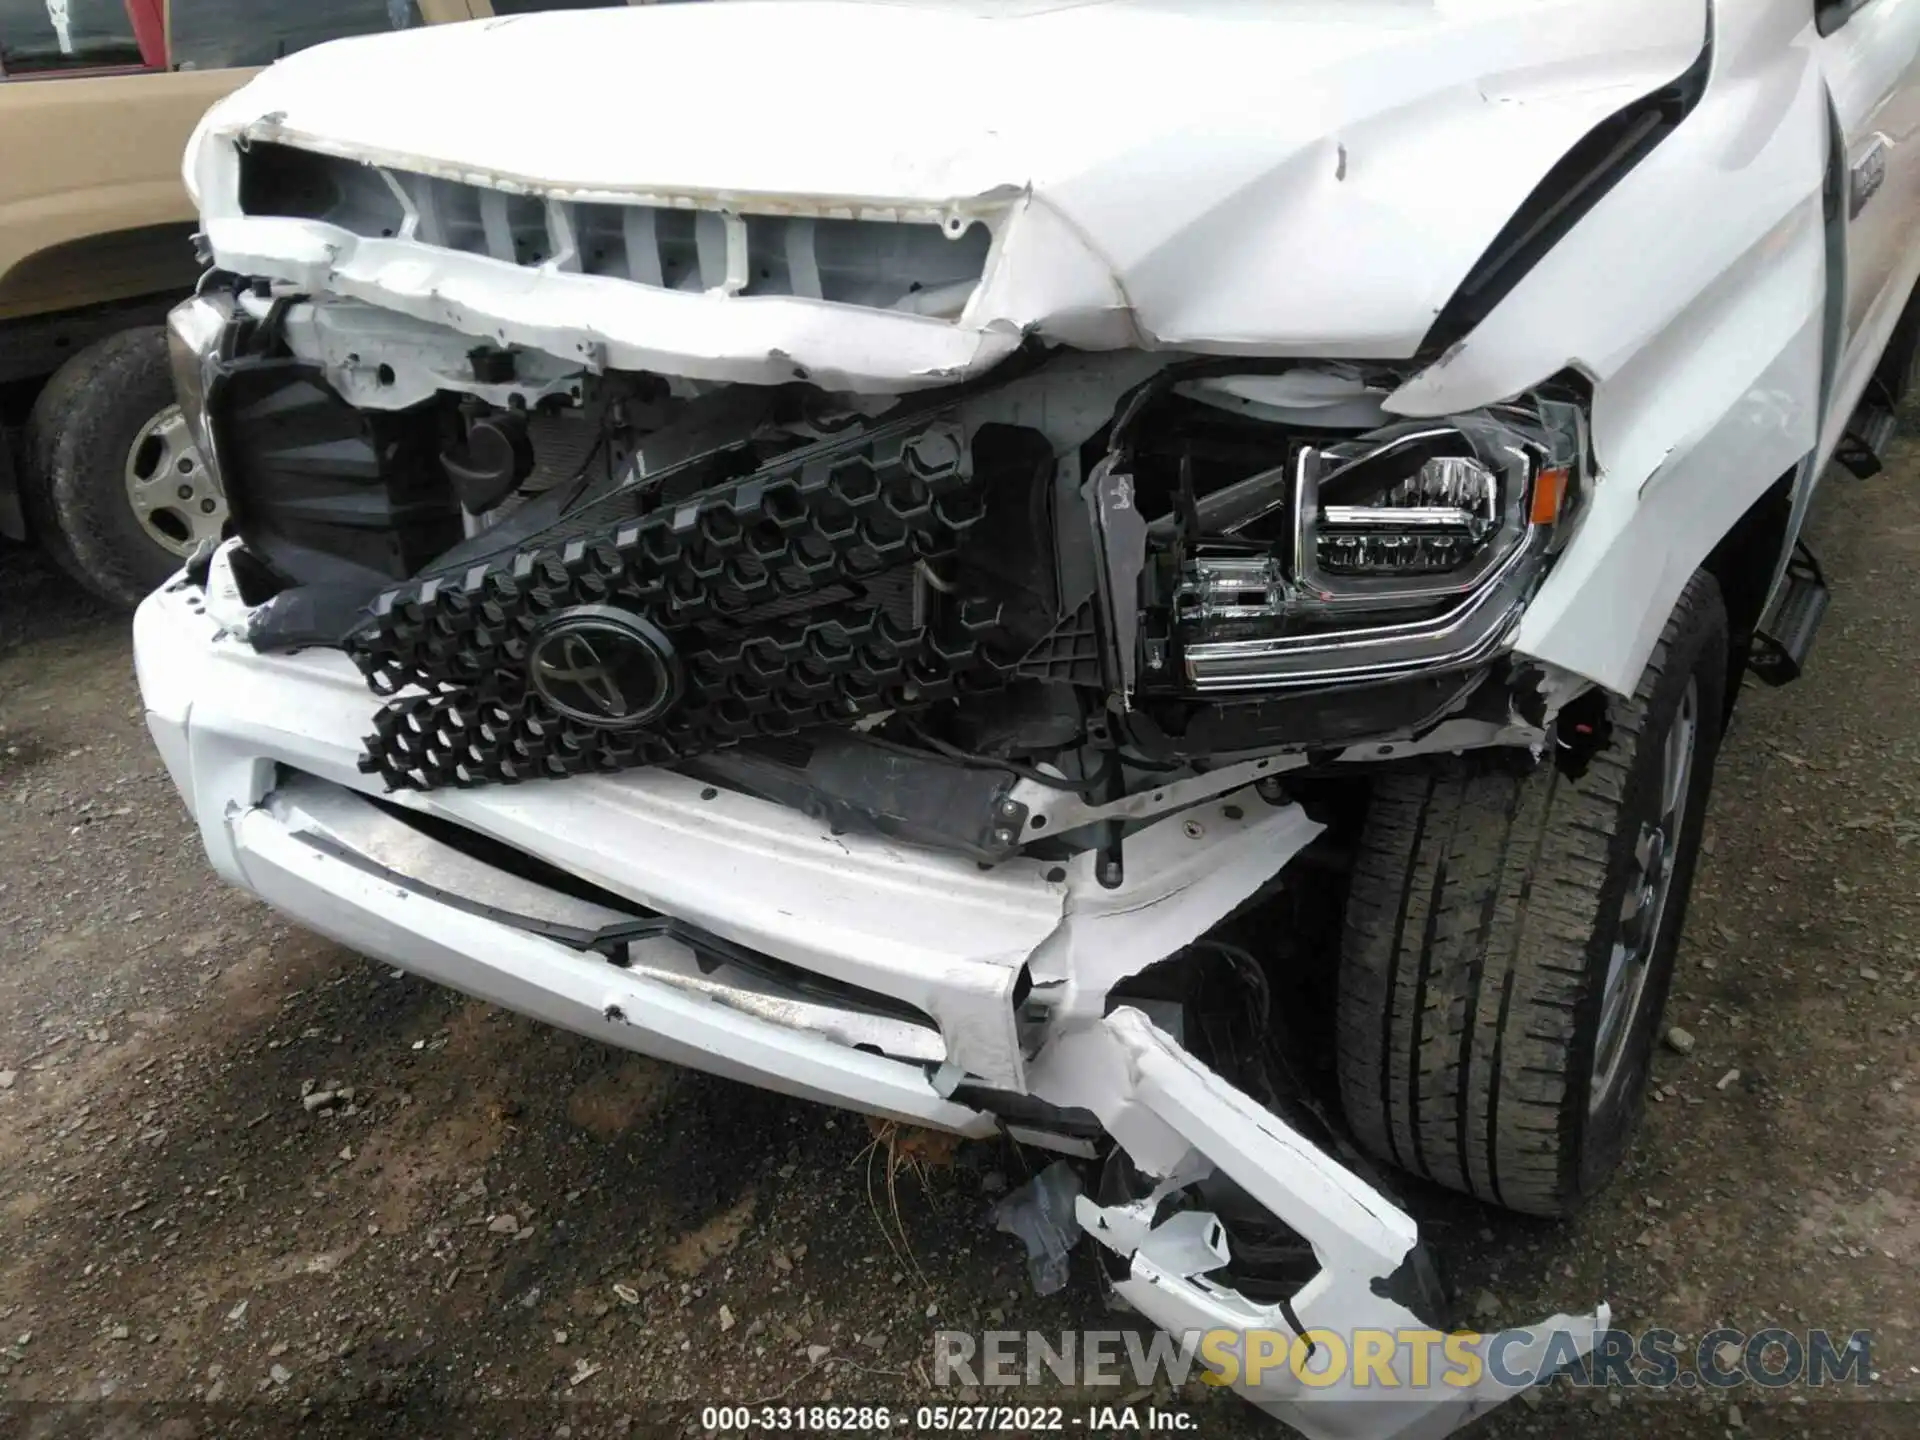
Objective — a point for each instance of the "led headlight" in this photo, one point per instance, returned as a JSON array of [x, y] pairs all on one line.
[[1414, 514], [1411, 548]]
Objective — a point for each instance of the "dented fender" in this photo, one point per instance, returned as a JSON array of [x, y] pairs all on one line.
[[1708, 388]]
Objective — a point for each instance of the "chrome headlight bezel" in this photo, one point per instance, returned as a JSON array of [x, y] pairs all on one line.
[[1324, 628]]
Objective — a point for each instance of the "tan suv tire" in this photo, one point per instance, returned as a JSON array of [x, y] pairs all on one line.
[[112, 486]]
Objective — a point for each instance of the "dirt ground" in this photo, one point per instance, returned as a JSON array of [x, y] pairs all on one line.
[[506, 1230]]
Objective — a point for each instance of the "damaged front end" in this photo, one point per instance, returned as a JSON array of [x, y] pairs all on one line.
[[1067, 660], [992, 617]]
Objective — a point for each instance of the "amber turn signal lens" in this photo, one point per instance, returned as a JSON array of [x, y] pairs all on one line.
[[1549, 494]]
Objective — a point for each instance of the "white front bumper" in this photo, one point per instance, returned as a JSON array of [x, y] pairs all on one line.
[[264, 750], [927, 930]]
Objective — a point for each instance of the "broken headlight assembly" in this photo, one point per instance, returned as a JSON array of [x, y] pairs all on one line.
[[1408, 550]]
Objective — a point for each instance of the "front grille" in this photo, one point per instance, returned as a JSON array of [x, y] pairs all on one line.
[[913, 266], [787, 596]]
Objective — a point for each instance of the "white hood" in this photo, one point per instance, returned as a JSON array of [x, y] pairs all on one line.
[[1257, 176]]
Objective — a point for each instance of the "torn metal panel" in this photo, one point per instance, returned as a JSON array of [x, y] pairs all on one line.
[[1184, 875], [1708, 387], [377, 358], [1376, 130], [1131, 1073]]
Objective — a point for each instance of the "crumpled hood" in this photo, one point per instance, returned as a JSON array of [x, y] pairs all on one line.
[[1274, 176]]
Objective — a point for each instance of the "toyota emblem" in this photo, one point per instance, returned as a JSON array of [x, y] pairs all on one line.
[[603, 666]]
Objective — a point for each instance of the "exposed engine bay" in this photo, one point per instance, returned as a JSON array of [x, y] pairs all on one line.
[[1084, 577]]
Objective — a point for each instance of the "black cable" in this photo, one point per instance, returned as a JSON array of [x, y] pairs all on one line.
[[989, 762]]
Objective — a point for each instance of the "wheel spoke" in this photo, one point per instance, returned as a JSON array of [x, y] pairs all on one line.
[[170, 490], [1679, 759]]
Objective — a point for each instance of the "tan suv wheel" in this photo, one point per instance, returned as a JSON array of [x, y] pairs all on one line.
[[114, 487]]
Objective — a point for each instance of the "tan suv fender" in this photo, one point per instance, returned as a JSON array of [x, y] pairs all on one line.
[[92, 208]]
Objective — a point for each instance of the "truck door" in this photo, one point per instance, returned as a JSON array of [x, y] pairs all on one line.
[[1870, 53]]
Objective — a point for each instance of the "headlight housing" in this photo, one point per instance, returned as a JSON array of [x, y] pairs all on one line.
[[1409, 549]]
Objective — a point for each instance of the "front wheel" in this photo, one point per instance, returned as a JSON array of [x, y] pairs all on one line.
[[1510, 939], [115, 488]]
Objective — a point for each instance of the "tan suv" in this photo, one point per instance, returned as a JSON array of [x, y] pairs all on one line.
[[97, 98]]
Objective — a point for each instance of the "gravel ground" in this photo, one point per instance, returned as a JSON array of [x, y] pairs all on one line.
[[504, 1229]]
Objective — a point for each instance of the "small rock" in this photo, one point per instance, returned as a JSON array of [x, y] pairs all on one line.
[[276, 1350], [1735, 1420], [504, 1225], [1486, 1304], [7, 1078], [1728, 1355], [1867, 973], [933, 1308], [237, 1313], [559, 1337], [1679, 1041], [1727, 1079], [279, 1374], [318, 1100], [118, 1332], [628, 1295], [756, 1327], [582, 1371], [993, 1183], [726, 1319], [215, 1392], [817, 1353], [1530, 1398], [782, 1263]]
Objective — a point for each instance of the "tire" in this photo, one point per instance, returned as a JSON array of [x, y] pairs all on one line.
[[1485, 906], [106, 417]]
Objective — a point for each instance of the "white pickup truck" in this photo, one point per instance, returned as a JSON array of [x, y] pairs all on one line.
[[1038, 567]]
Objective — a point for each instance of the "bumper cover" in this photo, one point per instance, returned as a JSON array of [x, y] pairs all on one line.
[[264, 750]]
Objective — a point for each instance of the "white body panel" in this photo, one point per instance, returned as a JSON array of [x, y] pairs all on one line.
[[1708, 380], [1303, 177]]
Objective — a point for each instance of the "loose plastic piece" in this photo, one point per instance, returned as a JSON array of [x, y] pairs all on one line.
[[1040, 1212]]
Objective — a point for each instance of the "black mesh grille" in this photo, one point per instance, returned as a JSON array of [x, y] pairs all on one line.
[[789, 596]]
